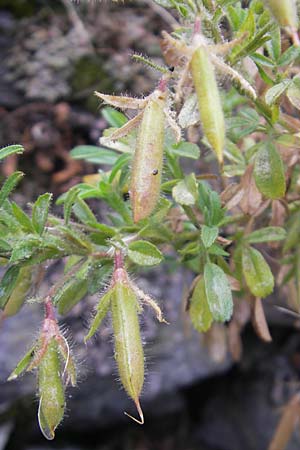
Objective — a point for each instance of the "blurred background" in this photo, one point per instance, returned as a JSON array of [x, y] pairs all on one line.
[[54, 54]]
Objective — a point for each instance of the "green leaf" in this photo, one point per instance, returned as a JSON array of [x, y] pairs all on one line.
[[9, 185], [199, 311], [185, 192], [276, 91], [98, 274], [40, 212], [102, 310], [269, 172], [69, 201], [218, 292], [25, 248], [95, 155], [11, 150], [293, 92], [22, 218], [113, 117], [7, 284], [22, 365], [217, 250], [73, 290], [267, 234], [209, 235], [185, 149], [289, 56], [144, 253], [257, 272], [83, 212]]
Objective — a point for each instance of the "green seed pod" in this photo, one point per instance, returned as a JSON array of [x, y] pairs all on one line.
[[51, 391], [148, 158], [200, 314], [128, 344], [285, 12], [18, 295], [209, 101], [257, 272], [269, 172]]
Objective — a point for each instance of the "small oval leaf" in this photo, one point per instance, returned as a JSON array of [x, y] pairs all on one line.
[[144, 254], [257, 272], [218, 292]]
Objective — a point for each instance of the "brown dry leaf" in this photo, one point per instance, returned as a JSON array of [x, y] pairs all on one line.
[[252, 198], [259, 321], [123, 102], [215, 339], [232, 195], [124, 130], [234, 341], [286, 425], [173, 50], [234, 283], [278, 214]]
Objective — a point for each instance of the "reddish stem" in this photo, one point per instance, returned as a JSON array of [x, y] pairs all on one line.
[[197, 26], [49, 309], [163, 83], [119, 263]]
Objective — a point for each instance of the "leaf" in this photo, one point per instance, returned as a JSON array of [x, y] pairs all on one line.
[[95, 155], [22, 365], [11, 150], [98, 273], [269, 172], [218, 292], [209, 235], [25, 248], [113, 117], [22, 218], [70, 294], [289, 55], [189, 114], [293, 92], [9, 185], [276, 91], [144, 253], [257, 272], [101, 311], [259, 321], [83, 212], [267, 234], [40, 212], [199, 311], [68, 203], [7, 284], [185, 150], [185, 192]]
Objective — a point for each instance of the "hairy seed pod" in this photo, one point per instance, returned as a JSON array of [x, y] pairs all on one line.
[[128, 344], [18, 295], [148, 158], [285, 12], [51, 391], [209, 101], [269, 172]]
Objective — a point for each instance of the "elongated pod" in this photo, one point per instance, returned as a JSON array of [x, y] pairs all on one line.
[[51, 391], [209, 101], [148, 158], [285, 12], [128, 343]]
